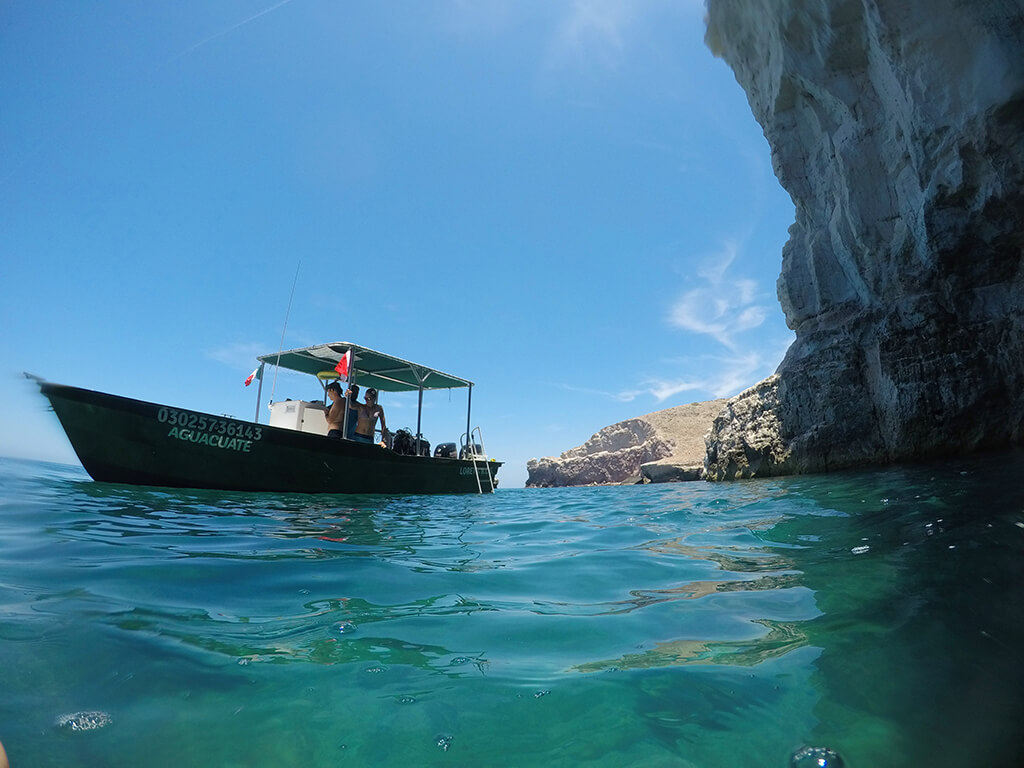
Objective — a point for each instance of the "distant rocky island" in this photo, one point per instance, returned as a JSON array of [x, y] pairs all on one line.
[[898, 130], [664, 446]]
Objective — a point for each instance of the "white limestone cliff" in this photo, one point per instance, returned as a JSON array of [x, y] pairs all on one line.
[[897, 127]]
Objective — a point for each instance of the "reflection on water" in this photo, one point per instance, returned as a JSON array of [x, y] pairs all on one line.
[[877, 614], [779, 639]]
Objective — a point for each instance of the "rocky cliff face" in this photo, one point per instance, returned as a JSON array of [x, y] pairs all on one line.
[[897, 127], [663, 446]]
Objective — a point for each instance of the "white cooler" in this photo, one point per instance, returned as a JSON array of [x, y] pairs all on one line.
[[299, 415]]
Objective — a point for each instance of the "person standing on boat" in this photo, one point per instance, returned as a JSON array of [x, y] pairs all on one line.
[[353, 410], [335, 415], [369, 412]]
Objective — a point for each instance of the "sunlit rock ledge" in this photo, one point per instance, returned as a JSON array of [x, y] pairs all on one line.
[[663, 446], [897, 127]]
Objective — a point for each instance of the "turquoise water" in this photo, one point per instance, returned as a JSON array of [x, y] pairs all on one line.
[[877, 614]]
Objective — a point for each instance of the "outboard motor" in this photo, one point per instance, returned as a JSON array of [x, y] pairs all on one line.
[[444, 451], [478, 450]]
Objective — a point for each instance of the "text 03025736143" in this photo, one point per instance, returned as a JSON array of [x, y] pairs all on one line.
[[205, 430]]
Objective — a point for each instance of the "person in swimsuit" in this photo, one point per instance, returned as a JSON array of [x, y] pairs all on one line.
[[369, 412], [335, 415], [353, 410]]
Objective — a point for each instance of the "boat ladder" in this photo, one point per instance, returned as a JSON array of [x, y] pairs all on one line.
[[478, 458]]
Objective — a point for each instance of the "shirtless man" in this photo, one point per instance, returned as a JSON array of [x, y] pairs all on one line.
[[335, 415], [369, 412]]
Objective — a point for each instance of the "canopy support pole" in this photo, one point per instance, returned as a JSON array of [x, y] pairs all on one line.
[[419, 419], [469, 409]]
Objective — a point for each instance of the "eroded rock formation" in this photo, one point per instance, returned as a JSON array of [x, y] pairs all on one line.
[[897, 127], [663, 446]]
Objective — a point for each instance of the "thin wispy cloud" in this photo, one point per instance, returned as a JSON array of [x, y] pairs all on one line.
[[623, 397], [240, 355], [721, 376], [596, 26], [603, 31], [724, 307], [578, 35]]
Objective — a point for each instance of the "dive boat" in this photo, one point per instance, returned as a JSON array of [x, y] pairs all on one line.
[[122, 440]]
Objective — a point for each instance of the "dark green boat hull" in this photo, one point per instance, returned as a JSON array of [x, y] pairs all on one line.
[[121, 440]]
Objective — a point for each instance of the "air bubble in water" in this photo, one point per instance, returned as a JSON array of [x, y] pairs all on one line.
[[444, 742], [346, 627], [816, 757], [83, 721]]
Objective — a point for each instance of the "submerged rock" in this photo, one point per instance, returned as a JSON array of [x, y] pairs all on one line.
[[896, 127], [662, 446]]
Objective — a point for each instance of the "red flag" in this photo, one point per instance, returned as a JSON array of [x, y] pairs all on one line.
[[342, 366], [252, 376]]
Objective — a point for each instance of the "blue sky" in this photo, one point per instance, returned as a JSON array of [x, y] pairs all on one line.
[[567, 202]]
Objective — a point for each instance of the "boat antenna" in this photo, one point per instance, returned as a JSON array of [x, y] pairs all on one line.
[[277, 363]]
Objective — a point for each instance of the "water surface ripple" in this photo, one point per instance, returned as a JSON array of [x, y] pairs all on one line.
[[876, 614]]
